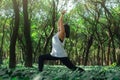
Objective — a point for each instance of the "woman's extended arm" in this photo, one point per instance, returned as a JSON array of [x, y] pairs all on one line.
[[61, 29]]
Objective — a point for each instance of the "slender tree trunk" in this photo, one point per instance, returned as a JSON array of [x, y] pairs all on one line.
[[2, 43], [52, 30], [90, 41], [36, 50], [118, 60], [22, 46], [105, 55], [102, 60], [111, 42], [113, 46], [83, 56], [12, 61], [113, 52], [1, 60], [27, 33], [98, 55], [108, 53]]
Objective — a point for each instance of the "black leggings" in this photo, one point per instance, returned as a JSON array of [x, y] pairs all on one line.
[[64, 60]]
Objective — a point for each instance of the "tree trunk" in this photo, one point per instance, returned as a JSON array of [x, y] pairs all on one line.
[[113, 46], [2, 43], [28, 51], [0, 56], [12, 59], [113, 52], [90, 41], [102, 60], [22, 46], [118, 60], [98, 55], [83, 56], [108, 53], [52, 30]]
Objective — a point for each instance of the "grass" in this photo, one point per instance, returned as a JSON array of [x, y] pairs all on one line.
[[60, 73]]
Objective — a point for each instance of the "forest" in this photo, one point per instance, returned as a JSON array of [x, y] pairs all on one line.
[[27, 27]]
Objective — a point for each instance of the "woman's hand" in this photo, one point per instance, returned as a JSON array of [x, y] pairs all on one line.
[[63, 12]]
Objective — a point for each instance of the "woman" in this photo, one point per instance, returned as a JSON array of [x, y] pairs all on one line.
[[58, 52]]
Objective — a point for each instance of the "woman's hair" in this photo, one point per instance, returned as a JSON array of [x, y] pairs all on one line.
[[67, 30]]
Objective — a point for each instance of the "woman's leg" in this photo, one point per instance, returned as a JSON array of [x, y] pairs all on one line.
[[42, 58], [69, 64]]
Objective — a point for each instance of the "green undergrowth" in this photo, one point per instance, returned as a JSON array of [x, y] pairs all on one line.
[[60, 73]]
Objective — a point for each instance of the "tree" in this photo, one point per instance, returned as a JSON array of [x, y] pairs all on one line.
[[53, 26], [12, 59], [27, 34]]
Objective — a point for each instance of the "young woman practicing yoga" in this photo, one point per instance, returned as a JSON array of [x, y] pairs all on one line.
[[58, 52]]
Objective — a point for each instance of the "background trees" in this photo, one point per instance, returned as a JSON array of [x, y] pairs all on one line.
[[27, 27]]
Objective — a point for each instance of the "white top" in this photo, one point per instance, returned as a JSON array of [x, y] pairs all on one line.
[[58, 47]]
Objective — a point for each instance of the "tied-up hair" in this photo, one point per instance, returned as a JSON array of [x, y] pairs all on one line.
[[67, 30]]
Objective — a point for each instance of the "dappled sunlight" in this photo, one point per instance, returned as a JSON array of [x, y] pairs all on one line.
[[38, 77]]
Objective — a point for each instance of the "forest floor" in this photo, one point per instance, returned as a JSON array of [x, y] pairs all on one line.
[[58, 72]]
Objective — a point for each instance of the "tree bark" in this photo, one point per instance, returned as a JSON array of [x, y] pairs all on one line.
[[12, 59], [98, 55], [102, 60], [90, 41], [27, 33], [108, 53]]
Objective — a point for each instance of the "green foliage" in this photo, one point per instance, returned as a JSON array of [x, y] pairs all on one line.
[[114, 64], [6, 61], [61, 73]]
